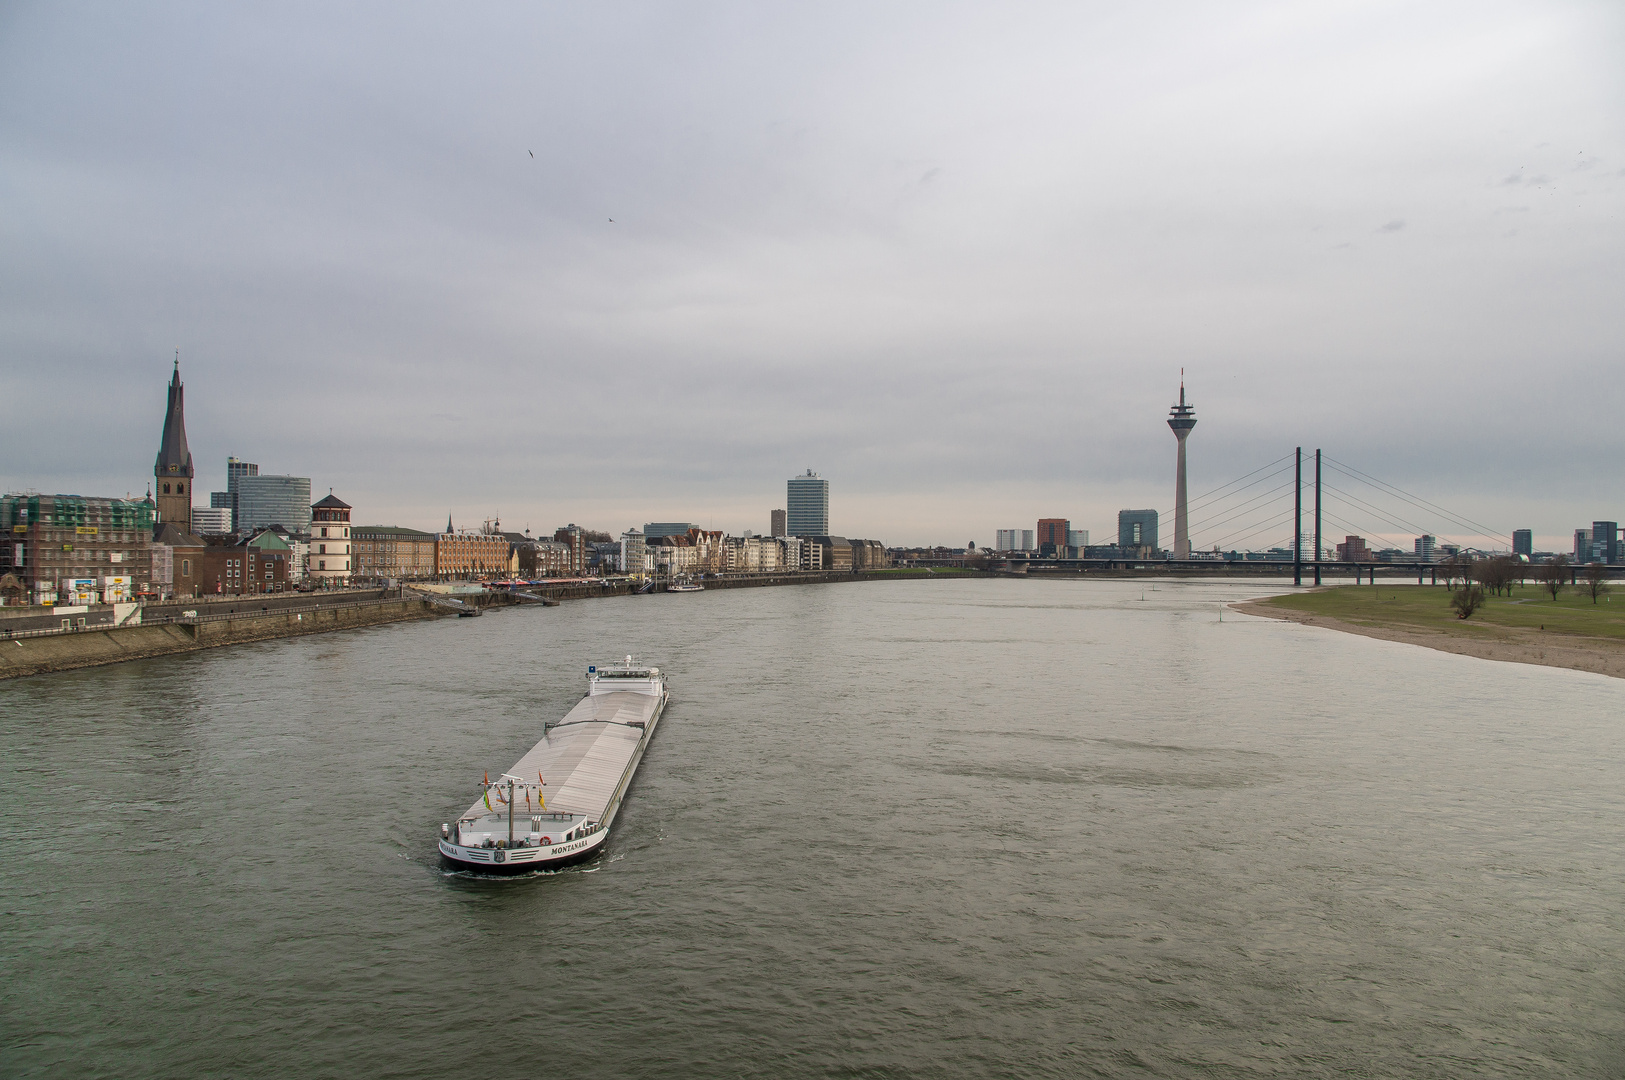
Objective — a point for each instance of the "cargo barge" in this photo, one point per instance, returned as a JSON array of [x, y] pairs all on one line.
[[555, 805]]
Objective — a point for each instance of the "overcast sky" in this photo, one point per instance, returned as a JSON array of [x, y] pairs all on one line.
[[951, 257]]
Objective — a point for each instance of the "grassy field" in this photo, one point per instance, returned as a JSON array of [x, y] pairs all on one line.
[[1428, 606]]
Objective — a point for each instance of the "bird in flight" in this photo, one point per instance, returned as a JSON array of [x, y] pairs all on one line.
[[532, 153], [612, 221]]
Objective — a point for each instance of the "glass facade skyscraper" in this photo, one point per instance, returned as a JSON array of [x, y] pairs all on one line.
[[266, 500], [807, 506], [1136, 528], [236, 469]]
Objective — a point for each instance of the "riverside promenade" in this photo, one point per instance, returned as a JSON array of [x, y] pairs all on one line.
[[34, 641], [163, 631]]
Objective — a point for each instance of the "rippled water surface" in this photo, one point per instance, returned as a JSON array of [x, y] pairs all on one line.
[[942, 829]]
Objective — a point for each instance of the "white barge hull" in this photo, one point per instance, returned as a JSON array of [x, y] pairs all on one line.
[[581, 771]]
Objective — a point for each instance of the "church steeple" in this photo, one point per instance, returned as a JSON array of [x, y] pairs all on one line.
[[173, 471]]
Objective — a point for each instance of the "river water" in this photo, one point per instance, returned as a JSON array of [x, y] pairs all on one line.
[[939, 829]]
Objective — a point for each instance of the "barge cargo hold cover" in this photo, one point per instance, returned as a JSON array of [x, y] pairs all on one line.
[[555, 805]]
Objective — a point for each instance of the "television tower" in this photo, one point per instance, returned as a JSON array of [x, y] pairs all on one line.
[[1181, 418]]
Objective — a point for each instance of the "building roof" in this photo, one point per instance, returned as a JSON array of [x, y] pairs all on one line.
[[169, 533], [392, 530], [174, 459], [331, 502], [267, 540]]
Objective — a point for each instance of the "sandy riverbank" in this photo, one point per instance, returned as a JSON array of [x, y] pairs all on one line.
[[1515, 645]]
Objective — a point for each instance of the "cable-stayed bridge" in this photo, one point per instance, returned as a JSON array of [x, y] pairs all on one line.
[[1284, 515]]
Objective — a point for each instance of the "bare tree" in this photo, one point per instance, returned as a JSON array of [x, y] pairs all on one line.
[[1553, 575], [1596, 580], [1496, 574], [1466, 600]]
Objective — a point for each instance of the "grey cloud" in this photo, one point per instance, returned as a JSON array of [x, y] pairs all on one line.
[[957, 275]]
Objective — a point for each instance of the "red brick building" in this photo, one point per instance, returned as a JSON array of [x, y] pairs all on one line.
[[1353, 549], [240, 570], [1053, 532]]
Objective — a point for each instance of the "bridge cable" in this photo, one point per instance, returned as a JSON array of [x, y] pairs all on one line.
[[1483, 531]]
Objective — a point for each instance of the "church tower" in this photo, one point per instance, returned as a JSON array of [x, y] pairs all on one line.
[[172, 476]]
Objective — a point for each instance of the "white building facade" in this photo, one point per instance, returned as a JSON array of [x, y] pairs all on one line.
[[328, 562]]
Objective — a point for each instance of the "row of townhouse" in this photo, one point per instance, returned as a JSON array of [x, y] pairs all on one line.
[[389, 551], [701, 551]]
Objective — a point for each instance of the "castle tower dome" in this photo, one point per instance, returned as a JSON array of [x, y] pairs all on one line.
[[172, 474]]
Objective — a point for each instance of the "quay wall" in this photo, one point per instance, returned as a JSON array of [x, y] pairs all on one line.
[[88, 648], [748, 581], [165, 629]]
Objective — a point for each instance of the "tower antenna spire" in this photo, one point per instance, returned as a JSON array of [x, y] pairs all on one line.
[[1181, 418]]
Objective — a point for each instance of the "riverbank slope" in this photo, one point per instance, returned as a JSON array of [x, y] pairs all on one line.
[[1527, 627]]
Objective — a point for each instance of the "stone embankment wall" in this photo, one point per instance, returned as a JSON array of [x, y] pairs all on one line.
[[60, 652], [231, 620], [747, 581]]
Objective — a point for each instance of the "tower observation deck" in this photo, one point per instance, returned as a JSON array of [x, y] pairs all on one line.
[[1181, 418]]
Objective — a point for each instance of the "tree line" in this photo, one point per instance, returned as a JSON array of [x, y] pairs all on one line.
[[1481, 578]]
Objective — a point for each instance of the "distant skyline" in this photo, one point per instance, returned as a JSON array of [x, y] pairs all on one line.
[[952, 257]]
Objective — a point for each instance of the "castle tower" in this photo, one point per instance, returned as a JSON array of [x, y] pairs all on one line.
[[1181, 418], [330, 542], [172, 475]]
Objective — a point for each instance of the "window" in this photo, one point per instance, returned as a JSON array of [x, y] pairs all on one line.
[[324, 533], [186, 568], [166, 489], [323, 550], [322, 565]]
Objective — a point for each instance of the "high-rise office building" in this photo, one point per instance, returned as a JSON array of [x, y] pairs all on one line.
[[776, 524], [1605, 541], [807, 506], [236, 469], [1425, 548], [1582, 545], [211, 520], [227, 499], [654, 530], [1013, 540], [266, 500], [1523, 542], [1053, 534], [1137, 528], [1078, 538]]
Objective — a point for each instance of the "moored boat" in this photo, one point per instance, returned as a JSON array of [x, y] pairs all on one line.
[[555, 805]]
